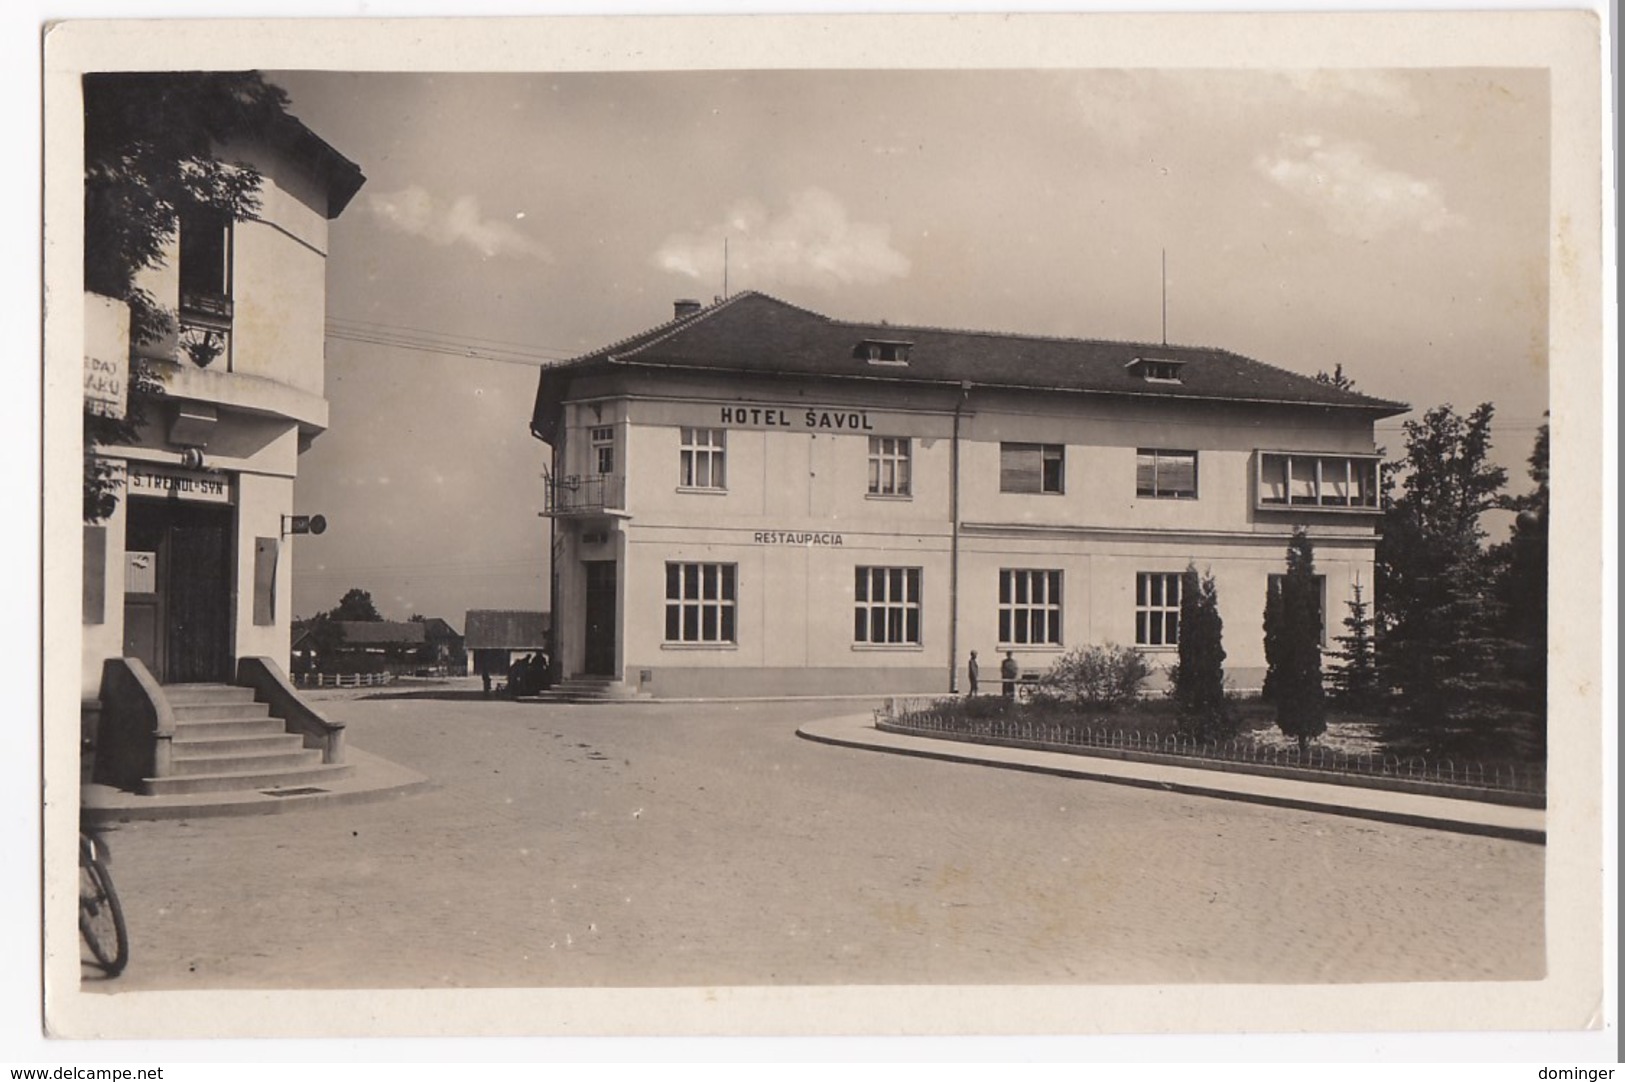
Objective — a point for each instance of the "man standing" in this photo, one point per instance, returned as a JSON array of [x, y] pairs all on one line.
[[1009, 671], [975, 670]]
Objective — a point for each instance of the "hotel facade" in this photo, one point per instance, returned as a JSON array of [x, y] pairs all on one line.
[[755, 499]]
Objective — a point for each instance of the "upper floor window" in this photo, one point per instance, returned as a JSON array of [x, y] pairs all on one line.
[[884, 352], [205, 262], [886, 606], [603, 449], [700, 603], [1157, 370], [1294, 479], [1029, 607], [203, 331], [1156, 608], [890, 468], [1165, 475], [1032, 467], [704, 458]]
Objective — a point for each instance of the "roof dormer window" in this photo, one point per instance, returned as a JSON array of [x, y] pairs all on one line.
[[879, 351], [1157, 370]]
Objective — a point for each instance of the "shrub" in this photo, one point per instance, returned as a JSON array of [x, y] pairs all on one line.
[[1099, 676]]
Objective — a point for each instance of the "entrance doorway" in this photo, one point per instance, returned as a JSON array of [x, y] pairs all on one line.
[[600, 609], [177, 590]]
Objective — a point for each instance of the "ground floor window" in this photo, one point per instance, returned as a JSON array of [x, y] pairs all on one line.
[[1156, 608], [700, 603], [1029, 607], [886, 606]]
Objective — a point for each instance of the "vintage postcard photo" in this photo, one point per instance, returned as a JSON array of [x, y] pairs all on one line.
[[844, 525]]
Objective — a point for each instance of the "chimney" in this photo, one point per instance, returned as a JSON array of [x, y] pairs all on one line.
[[685, 308]]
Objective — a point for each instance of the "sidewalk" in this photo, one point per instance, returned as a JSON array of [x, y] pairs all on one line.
[[1438, 813]]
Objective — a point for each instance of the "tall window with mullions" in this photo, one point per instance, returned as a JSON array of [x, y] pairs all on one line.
[[886, 610], [700, 603], [1029, 607], [1156, 608]]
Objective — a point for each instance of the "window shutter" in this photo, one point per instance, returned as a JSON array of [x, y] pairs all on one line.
[[1021, 468]]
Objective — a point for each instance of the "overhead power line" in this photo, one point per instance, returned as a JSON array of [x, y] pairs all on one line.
[[419, 340]]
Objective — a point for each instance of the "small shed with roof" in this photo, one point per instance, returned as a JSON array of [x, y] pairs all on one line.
[[494, 638]]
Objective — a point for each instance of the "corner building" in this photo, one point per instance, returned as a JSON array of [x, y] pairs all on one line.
[[757, 499], [193, 570]]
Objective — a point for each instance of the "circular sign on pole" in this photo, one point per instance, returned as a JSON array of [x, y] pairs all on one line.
[[318, 524]]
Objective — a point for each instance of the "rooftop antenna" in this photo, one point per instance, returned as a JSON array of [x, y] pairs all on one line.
[[1165, 296], [724, 268]]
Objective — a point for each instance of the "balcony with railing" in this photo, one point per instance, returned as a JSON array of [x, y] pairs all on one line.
[[577, 495]]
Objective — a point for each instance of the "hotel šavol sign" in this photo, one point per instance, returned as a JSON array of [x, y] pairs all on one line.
[[833, 420]]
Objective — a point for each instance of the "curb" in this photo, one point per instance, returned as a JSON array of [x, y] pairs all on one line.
[[1056, 764]]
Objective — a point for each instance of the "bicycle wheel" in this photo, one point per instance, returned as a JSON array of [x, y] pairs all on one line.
[[101, 918]]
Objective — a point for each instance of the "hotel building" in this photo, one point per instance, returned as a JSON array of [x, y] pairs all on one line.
[[753, 498]]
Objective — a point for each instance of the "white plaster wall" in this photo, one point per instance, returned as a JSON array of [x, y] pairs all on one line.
[[262, 500], [106, 639]]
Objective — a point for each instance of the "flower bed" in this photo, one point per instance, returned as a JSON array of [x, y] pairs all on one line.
[[1350, 751]]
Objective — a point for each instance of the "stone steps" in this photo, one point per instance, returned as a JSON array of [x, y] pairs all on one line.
[[225, 741], [262, 781], [589, 689]]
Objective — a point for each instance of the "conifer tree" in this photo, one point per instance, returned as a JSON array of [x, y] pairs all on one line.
[[1355, 679], [1204, 710], [1272, 638], [1522, 593], [1300, 697], [1443, 640]]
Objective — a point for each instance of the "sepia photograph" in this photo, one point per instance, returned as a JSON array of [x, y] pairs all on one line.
[[826, 525]]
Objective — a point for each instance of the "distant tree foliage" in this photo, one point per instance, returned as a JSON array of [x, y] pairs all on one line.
[[1204, 708], [355, 605], [1336, 378], [151, 146], [1294, 617]]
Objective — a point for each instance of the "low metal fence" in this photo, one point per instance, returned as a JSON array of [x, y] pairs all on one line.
[[343, 680], [1069, 737]]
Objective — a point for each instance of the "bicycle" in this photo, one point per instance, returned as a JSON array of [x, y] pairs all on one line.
[[101, 918]]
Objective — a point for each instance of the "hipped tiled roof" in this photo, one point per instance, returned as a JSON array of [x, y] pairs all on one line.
[[755, 333], [380, 632]]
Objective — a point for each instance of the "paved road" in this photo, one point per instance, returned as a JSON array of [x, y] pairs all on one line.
[[699, 845]]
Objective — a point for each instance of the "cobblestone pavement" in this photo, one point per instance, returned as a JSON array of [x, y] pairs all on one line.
[[708, 845]]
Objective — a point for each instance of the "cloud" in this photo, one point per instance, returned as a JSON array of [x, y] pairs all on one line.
[[1129, 108], [1357, 196], [811, 243], [415, 212]]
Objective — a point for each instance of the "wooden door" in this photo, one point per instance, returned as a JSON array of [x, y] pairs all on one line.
[[600, 615]]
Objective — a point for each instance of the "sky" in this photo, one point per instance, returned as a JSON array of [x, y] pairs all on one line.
[[1393, 222]]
